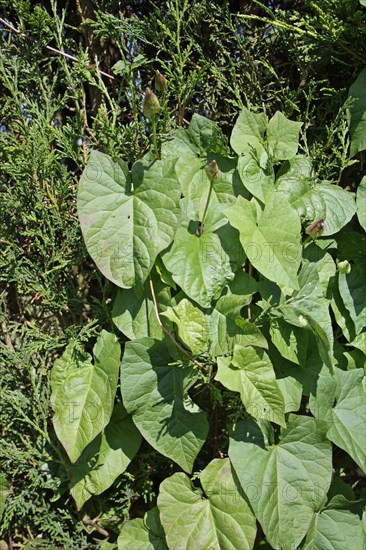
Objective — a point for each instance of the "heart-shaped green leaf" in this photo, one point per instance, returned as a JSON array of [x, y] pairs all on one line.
[[191, 323], [216, 518], [342, 404], [134, 312], [105, 458], [282, 137], [285, 482], [248, 133], [256, 173], [154, 390], [127, 220], [83, 393], [361, 202], [251, 374], [270, 238], [191, 149], [143, 534], [202, 263], [357, 114], [335, 530]]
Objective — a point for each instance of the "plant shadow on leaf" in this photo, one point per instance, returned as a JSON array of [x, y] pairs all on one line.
[[254, 435], [173, 392], [193, 227], [86, 462]]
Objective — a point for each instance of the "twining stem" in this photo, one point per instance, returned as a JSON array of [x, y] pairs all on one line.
[[206, 207], [177, 345], [155, 143]]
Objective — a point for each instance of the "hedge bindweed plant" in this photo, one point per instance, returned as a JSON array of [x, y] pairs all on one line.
[[240, 274]]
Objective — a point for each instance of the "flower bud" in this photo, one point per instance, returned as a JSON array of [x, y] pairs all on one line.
[[161, 82], [151, 105], [213, 170], [315, 229], [344, 267]]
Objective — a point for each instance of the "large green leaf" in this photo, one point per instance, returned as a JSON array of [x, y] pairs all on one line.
[[105, 458], [298, 166], [340, 207], [134, 313], [294, 181], [360, 342], [127, 220], [335, 530], [248, 133], [282, 137], [285, 482], [341, 314], [322, 201], [251, 334], [271, 239], [225, 188], [291, 390], [357, 114], [216, 518], [223, 321], [324, 263], [256, 173], [220, 328], [190, 148], [291, 341], [342, 404], [309, 309], [83, 393], [361, 202], [351, 245], [306, 199], [251, 374], [203, 264], [154, 391], [307, 373], [143, 534], [352, 288], [191, 323]]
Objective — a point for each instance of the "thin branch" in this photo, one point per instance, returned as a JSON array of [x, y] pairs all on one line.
[[50, 48], [202, 367], [7, 338]]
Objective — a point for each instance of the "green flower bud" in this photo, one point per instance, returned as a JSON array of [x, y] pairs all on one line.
[[151, 105], [213, 170], [344, 267], [315, 229], [161, 82]]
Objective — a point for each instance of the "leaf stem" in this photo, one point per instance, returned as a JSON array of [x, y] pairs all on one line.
[[177, 345], [206, 207], [153, 125]]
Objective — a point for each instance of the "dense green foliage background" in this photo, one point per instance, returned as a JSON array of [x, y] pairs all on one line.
[[299, 57]]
